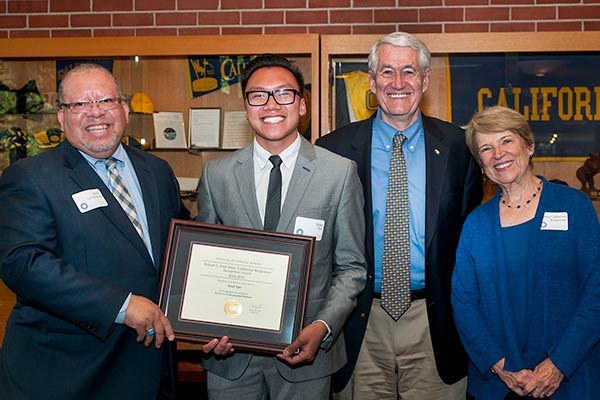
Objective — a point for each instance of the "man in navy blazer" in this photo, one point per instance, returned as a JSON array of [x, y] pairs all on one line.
[[420, 355], [85, 324]]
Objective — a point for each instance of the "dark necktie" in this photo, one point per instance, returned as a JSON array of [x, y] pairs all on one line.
[[117, 187], [273, 207], [395, 284]]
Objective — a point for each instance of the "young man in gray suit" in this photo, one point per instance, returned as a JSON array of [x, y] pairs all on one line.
[[321, 193]]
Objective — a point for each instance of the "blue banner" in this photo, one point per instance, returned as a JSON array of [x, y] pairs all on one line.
[[559, 95], [210, 73]]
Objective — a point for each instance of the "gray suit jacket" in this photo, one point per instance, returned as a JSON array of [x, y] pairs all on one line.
[[323, 186]]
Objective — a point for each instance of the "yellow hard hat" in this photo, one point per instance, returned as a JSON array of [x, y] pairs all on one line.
[[141, 103]]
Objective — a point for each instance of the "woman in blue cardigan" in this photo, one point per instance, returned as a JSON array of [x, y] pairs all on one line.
[[526, 286]]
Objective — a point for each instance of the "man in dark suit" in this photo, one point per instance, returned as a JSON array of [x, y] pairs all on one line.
[[319, 194], [419, 355], [84, 262]]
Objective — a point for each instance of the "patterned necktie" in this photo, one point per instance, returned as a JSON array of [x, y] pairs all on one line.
[[117, 186], [395, 285], [273, 207]]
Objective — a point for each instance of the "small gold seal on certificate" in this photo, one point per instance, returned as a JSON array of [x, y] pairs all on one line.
[[233, 308]]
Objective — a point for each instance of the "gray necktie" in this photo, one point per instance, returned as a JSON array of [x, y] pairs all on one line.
[[395, 283], [273, 207]]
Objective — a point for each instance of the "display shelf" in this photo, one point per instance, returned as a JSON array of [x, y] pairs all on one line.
[[437, 100], [357, 47], [158, 67]]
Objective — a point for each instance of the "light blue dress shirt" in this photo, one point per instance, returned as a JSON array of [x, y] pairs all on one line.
[[135, 190], [414, 152]]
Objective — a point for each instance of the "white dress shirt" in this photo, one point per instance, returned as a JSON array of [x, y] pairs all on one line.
[[262, 171]]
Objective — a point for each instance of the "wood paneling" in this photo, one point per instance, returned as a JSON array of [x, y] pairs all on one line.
[[7, 301]]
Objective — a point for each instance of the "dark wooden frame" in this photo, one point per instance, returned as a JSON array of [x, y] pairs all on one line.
[[184, 234]]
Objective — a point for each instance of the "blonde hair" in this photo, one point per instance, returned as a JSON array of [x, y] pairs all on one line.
[[497, 119]]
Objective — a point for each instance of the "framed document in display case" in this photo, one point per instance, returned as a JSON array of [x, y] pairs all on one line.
[[205, 128], [169, 130], [237, 132], [250, 285]]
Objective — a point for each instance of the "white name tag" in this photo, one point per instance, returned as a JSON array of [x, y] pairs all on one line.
[[555, 221], [309, 227], [89, 200]]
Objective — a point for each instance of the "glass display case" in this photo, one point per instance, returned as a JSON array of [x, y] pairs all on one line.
[[547, 76], [167, 70], [175, 74]]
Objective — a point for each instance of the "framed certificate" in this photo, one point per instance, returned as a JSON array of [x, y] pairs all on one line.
[[237, 132], [169, 130], [250, 285], [205, 128]]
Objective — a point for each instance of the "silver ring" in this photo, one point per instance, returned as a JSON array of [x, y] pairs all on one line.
[[150, 331], [543, 394]]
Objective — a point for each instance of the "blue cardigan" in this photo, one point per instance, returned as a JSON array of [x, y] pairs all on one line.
[[563, 288]]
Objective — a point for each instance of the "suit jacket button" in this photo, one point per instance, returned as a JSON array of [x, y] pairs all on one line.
[[369, 277], [362, 315]]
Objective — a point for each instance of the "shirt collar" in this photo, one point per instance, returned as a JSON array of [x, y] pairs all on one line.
[[288, 156], [384, 133], [120, 155]]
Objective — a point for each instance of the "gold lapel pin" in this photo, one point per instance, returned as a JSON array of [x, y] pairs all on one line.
[[437, 152]]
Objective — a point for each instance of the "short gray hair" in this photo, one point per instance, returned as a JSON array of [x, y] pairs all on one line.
[[400, 39]]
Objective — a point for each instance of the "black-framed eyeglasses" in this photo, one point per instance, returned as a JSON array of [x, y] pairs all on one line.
[[282, 97], [79, 107]]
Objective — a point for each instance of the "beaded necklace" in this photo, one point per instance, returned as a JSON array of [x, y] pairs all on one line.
[[538, 190]]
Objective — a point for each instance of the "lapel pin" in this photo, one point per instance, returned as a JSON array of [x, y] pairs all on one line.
[[437, 152]]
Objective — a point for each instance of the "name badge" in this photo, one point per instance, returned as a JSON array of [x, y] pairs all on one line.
[[555, 221], [89, 200], [309, 227]]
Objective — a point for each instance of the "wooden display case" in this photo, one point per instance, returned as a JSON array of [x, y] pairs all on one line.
[[356, 47], [337, 49], [158, 67]]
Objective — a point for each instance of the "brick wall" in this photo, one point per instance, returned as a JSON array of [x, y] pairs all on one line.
[[59, 18]]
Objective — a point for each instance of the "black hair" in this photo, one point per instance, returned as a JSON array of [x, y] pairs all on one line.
[[271, 60]]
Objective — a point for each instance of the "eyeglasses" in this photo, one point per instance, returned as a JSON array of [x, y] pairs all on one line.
[[80, 107], [282, 97], [407, 74]]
